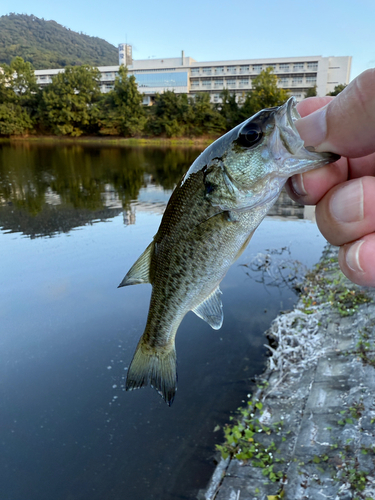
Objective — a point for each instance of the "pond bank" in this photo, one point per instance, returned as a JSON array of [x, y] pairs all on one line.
[[200, 142], [308, 432]]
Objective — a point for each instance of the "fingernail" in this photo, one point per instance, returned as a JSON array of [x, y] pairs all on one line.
[[298, 185], [352, 257], [346, 204], [313, 128]]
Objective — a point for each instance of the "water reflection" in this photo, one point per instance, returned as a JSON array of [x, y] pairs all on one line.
[[48, 190], [55, 189], [67, 427]]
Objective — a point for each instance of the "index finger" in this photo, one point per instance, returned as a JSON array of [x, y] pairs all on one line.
[[345, 124]]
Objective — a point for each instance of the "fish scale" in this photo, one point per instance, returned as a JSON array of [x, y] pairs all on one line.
[[207, 224]]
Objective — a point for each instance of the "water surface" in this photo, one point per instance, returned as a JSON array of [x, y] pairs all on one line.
[[73, 220]]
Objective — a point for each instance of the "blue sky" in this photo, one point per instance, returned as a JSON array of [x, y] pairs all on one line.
[[215, 30]]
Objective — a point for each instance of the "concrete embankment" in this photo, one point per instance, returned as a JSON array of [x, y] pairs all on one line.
[[308, 431]]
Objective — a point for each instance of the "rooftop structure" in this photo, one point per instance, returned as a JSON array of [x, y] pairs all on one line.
[[186, 75]]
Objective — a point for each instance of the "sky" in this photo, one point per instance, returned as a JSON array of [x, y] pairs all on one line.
[[221, 30]]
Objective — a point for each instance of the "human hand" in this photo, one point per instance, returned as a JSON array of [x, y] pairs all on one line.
[[344, 192]]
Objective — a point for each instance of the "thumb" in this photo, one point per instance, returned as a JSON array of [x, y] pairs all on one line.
[[346, 124]]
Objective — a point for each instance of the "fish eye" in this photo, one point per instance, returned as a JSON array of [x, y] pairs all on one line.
[[250, 135]]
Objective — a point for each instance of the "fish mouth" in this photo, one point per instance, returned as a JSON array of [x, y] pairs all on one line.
[[286, 116], [292, 113]]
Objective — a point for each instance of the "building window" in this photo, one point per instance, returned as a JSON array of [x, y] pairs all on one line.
[[216, 97], [244, 69], [284, 67], [298, 66], [206, 83], [195, 83], [195, 71], [243, 82], [296, 81], [231, 83], [219, 83], [219, 70], [232, 70], [311, 79], [207, 71], [284, 81], [312, 66], [272, 66], [163, 80]]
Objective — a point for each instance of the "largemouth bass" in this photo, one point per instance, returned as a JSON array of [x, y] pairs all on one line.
[[208, 222]]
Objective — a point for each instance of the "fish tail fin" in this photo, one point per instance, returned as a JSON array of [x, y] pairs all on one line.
[[149, 367]]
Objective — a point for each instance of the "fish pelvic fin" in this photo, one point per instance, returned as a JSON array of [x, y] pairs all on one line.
[[140, 271], [211, 309], [158, 370]]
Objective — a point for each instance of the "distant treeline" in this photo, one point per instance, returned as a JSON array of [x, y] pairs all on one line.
[[47, 44], [72, 105]]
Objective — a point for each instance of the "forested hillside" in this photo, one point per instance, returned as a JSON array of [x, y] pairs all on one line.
[[47, 44]]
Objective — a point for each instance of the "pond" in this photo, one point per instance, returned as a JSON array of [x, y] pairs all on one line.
[[73, 219]]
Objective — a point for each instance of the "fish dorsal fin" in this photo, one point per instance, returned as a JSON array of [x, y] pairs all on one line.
[[211, 309], [140, 271]]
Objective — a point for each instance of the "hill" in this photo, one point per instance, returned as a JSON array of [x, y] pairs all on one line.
[[47, 44]]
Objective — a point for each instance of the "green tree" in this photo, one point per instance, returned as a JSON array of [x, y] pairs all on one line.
[[247, 107], [339, 88], [311, 92], [205, 119], [69, 105], [18, 97], [229, 109], [266, 93], [14, 120], [122, 110], [171, 115]]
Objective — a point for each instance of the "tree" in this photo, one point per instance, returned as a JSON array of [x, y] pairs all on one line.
[[266, 93], [247, 107], [205, 119], [18, 97], [229, 109], [311, 92], [122, 110], [14, 120], [339, 88], [69, 105], [170, 115]]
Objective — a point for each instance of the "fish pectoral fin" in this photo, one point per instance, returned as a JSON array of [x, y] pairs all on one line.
[[211, 309], [140, 271]]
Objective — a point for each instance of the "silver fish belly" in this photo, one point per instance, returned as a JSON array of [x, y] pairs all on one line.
[[208, 223]]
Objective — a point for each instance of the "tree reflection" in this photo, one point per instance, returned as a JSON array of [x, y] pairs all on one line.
[[79, 175], [57, 180]]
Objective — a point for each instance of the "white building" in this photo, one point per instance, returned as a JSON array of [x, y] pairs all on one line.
[[186, 75]]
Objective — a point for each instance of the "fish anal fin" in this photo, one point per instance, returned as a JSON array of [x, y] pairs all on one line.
[[158, 370], [140, 271], [211, 309]]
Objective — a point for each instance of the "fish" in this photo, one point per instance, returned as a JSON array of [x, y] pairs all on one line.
[[208, 222]]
